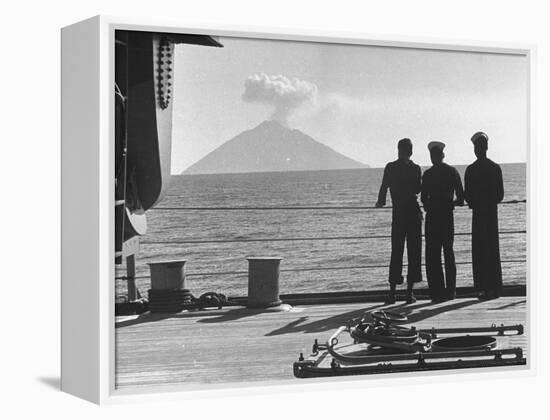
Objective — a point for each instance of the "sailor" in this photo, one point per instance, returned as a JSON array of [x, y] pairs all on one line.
[[483, 191], [402, 177], [441, 192]]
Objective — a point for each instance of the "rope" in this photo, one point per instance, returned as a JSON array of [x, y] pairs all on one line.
[[357, 267], [176, 300], [260, 208], [327, 238]]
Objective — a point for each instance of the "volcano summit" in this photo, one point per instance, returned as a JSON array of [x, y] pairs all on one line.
[[271, 147]]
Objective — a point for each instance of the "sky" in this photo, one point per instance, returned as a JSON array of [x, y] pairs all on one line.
[[358, 100]]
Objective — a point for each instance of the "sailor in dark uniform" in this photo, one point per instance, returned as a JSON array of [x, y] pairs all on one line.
[[440, 185], [403, 177], [483, 191]]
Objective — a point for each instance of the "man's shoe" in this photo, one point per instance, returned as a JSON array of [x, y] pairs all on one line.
[[492, 294], [390, 299], [438, 299], [487, 295], [410, 297]]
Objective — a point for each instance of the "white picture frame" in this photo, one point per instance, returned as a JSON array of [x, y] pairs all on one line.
[[88, 332]]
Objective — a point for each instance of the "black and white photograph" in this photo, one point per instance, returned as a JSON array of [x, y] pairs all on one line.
[[287, 210]]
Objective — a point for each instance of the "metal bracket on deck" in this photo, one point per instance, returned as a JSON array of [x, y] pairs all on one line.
[[501, 330], [422, 357]]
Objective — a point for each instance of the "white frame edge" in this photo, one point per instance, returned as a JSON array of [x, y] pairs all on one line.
[[88, 332], [80, 276]]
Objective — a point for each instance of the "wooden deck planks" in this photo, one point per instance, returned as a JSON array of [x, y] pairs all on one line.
[[236, 344]]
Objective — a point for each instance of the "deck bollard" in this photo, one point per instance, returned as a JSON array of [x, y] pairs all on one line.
[[167, 293], [263, 282], [167, 274]]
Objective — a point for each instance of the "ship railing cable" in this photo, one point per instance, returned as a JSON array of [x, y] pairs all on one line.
[[326, 238], [313, 238], [307, 269], [273, 208]]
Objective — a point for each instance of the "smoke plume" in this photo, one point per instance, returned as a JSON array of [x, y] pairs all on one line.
[[284, 94]]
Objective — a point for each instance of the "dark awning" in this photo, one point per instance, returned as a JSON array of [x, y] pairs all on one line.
[[142, 39]]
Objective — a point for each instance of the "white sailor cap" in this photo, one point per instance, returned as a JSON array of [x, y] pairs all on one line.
[[436, 145], [480, 135]]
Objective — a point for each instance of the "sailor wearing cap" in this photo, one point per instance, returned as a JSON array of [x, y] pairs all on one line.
[[402, 177], [480, 137], [483, 191], [441, 191], [436, 145]]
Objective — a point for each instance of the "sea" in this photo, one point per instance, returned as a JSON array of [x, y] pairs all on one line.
[[324, 249]]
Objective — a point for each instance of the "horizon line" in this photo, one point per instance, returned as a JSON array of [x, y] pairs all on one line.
[[322, 170]]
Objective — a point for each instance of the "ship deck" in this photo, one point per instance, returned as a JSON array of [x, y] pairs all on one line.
[[235, 344]]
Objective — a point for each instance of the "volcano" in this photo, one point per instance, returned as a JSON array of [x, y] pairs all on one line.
[[271, 147]]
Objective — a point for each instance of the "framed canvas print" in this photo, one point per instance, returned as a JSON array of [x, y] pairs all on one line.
[[244, 209]]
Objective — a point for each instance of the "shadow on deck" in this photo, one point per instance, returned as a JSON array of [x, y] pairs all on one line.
[[415, 313], [235, 344]]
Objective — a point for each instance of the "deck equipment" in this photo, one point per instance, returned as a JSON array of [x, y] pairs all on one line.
[[384, 346], [144, 71]]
